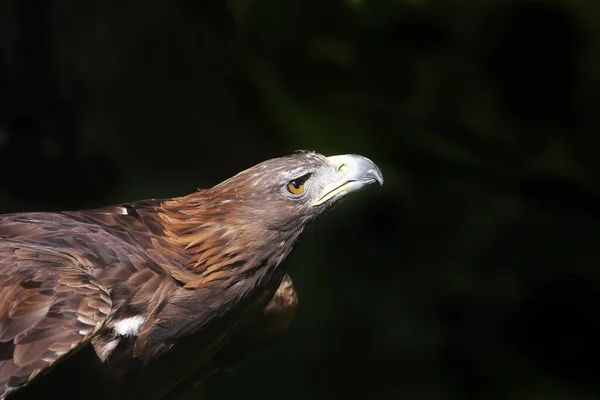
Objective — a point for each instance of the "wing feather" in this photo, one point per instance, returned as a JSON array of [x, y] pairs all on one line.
[[49, 307]]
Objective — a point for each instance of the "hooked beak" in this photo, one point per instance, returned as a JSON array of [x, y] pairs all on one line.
[[353, 173]]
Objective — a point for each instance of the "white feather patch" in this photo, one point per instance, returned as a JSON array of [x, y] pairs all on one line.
[[129, 326]]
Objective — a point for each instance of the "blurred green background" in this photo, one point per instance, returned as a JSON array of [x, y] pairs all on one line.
[[471, 274]]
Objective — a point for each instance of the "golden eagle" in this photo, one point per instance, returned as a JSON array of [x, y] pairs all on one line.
[[137, 300]]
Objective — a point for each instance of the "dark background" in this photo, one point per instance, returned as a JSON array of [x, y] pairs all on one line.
[[472, 274]]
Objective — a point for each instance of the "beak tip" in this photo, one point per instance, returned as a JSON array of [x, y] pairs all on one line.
[[369, 168], [377, 175]]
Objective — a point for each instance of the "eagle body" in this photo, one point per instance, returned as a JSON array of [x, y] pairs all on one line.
[[137, 300]]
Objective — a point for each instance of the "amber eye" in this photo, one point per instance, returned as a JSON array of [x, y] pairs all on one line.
[[295, 187]]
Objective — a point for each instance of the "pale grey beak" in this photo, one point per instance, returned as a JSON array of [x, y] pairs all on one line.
[[354, 173]]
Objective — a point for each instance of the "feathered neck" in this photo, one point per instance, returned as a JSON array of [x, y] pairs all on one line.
[[222, 240]]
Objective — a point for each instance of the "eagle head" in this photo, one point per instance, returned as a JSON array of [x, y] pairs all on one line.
[[285, 194]]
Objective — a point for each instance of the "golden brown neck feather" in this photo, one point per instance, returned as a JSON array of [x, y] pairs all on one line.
[[210, 234]]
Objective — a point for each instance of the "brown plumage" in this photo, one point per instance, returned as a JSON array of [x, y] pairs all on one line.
[[135, 300]]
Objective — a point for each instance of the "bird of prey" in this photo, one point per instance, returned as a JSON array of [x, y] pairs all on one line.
[[135, 300]]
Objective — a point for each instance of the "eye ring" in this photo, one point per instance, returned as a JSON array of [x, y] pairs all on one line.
[[295, 187]]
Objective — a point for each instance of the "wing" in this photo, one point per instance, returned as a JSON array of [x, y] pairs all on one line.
[[261, 332], [264, 330], [49, 307]]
